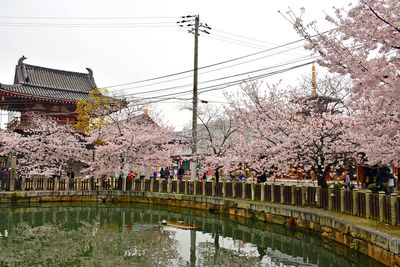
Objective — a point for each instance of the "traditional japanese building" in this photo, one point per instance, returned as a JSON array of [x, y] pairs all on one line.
[[47, 91]]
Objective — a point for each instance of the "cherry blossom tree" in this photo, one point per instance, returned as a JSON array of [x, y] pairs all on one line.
[[217, 137], [365, 46], [290, 129], [130, 141], [44, 147]]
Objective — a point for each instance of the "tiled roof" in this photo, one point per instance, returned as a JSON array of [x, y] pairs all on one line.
[[55, 84], [52, 78], [43, 92]]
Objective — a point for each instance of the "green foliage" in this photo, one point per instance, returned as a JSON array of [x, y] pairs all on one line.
[[336, 185], [91, 113], [373, 188]]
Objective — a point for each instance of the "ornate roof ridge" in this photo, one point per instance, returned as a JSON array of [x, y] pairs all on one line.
[[39, 87], [56, 70], [53, 78]]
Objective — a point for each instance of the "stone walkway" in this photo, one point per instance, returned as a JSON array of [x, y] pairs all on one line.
[[375, 225]]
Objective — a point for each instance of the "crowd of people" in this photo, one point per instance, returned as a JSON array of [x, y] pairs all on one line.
[[385, 178]]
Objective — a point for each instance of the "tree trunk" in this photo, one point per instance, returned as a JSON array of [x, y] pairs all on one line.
[[321, 177], [322, 182]]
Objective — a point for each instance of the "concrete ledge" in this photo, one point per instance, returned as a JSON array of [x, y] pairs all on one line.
[[380, 246]]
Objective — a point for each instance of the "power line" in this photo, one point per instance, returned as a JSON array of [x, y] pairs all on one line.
[[88, 25], [234, 41], [244, 37], [85, 18], [222, 78], [209, 71], [236, 82], [207, 66], [214, 64], [207, 88]]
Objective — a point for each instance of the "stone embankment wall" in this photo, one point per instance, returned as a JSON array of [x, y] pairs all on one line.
[[382, 247]]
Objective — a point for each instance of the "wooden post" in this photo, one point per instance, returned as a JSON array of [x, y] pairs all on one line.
[[57, 182], [273, 193], [318, 192], [204, 187], [342, 199], [253, 191], [330, 195], [169, 186], [355, 207], [282, 193], [367, 206], [123, 184], [151, 185], [233, 189], [223, 189], [393, 197], [293, 195], [194, 187], [244, 190], [303, 195], [178, 183], [142, 185], [262, 192], [23, 187], [381, 196], [213, 188], [186, 186]]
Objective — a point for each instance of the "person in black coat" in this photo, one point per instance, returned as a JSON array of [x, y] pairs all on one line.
[[262, 178], [181, 172], [217, 175], [382, 177], [162, 173], [71, 176]]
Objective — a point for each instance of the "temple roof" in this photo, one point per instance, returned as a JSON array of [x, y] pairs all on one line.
[[45, 93], [52, 84]]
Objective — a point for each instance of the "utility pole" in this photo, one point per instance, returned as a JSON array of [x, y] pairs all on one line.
[[196, 27]]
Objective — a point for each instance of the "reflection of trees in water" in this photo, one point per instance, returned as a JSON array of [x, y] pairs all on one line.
[[49, 245], [209, 255], [129, 235]]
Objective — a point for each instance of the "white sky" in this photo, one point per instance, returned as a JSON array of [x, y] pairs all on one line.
[[121, 54]]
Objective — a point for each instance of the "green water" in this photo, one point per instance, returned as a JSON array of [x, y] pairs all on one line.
[[129, 235]]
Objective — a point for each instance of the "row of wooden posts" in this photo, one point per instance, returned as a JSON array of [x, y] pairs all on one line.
[[365, 204]]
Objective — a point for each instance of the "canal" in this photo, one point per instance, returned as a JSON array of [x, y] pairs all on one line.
[[75, 234]]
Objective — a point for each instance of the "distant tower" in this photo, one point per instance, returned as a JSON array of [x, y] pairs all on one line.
[[314, 81]]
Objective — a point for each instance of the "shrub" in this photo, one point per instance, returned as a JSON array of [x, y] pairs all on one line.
[[373, 188], [336, 185]]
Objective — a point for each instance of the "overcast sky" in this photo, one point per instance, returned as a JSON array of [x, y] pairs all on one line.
[[130, 41]]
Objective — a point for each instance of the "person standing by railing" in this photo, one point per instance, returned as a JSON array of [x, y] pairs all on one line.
[[391, 182], [71, 176], [181, 172], [3, 176], [347, 180]]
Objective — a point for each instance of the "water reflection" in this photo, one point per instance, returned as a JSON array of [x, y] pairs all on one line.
[[105, 235]]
